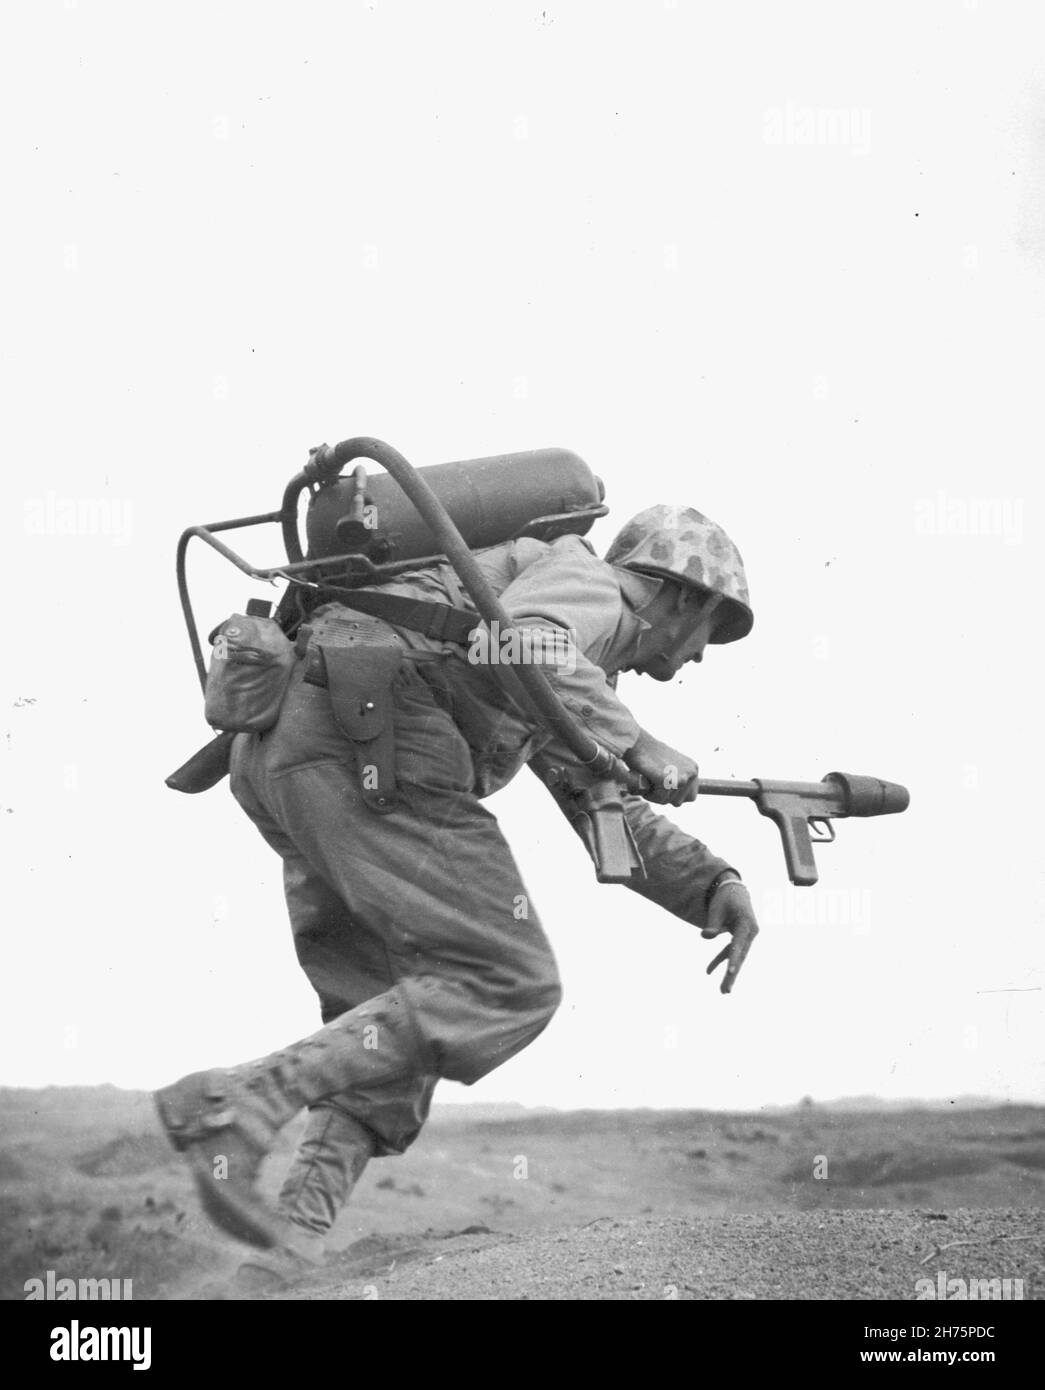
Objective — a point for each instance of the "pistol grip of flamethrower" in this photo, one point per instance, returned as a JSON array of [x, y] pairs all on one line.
[[791, 818], [617, 860]]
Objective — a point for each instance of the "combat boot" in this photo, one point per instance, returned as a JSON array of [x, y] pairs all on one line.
[[295, 1255], [332, 1153], [225, 1122], [224, 1129]]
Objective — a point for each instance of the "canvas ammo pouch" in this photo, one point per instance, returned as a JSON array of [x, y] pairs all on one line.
[[250, 670], [357, 659]]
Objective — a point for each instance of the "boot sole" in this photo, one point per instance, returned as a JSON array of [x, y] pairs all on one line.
[[245, 1218]]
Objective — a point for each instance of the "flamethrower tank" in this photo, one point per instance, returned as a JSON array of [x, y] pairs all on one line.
[[542, 493]]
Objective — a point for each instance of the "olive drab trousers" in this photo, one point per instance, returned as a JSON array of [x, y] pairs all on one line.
[[425, 899]]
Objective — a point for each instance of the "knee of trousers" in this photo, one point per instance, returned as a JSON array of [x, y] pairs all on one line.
[[473, 1032], [529, 990], [549, 996], [540, 983]]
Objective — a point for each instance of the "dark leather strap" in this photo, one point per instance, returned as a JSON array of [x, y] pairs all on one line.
[[440, 621]]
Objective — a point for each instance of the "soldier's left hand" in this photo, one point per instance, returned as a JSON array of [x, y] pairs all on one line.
[[731, 911], [672, 778]]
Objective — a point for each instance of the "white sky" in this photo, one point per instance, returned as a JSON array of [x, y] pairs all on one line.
[[234, 231]]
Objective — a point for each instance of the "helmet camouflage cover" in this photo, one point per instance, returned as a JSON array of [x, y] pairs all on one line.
[[682, 544]]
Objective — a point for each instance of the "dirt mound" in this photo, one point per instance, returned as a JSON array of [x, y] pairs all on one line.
[[889, 1168], [782, 1255], [1027, 1158]]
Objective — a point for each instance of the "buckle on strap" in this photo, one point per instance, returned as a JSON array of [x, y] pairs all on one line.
[[445, 624]]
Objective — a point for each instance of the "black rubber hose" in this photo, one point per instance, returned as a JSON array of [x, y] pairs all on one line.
[[288, 516]]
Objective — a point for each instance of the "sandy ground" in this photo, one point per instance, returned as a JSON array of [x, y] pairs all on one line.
[[829, 1255], [810, 1204]]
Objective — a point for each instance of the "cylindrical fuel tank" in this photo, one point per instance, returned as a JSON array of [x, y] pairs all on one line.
[[490, 499]]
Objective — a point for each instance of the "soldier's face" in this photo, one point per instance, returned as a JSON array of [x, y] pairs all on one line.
[[678, 632]]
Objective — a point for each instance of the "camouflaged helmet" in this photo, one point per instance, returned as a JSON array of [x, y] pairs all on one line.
[[680, 543]]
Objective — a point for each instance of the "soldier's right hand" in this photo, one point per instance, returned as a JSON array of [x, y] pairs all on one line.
[[673, 777]]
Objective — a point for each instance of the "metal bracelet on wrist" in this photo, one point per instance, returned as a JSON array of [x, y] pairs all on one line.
[[726, 876]]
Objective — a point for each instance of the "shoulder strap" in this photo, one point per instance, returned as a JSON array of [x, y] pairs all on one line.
[[439, 621]]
